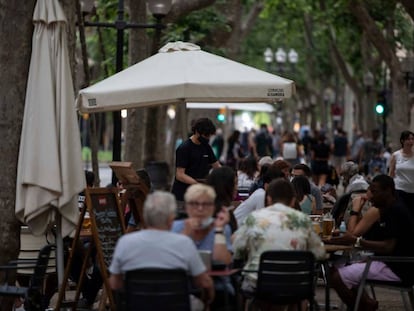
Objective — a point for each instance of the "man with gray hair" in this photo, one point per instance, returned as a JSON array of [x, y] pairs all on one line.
[[355, 185], [352, 180], [158, 247]]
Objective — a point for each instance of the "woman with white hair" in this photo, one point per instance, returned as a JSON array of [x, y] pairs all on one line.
[[208, 233]]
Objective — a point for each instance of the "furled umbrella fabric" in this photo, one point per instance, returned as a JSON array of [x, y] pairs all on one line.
[[49, 173]]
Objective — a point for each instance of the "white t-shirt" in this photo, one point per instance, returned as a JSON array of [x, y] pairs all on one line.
[[244, 181], [290, 150], [156, 249], [404, 172], [254, 202]]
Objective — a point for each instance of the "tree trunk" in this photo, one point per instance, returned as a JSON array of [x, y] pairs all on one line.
[[400, 117], [409, 7], [69, 8], [92, 121], [399, 120], [138, 50], [181, 8], [15, 51]]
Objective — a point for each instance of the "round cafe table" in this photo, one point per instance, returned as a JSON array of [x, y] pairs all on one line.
[[332, 248]]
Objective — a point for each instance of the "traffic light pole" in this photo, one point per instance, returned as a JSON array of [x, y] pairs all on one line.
[[384, 129], [382, 109]]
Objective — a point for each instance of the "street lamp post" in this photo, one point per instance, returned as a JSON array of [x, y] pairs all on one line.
[[293, 58], [268, 58], [281, 58], [365, 118], [159, 8]]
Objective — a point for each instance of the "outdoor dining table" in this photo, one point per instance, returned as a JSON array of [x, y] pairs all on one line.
[[330, 250], [217, 275], [333, 248]]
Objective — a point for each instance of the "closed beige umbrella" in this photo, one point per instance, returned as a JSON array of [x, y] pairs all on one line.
[[49, 172]]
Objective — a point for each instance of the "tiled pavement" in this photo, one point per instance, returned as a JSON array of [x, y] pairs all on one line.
[[389, 300]]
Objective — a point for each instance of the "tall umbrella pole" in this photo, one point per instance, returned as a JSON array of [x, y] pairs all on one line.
[[60, 263]]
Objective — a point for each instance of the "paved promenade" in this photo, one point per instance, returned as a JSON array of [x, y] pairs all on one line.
[[389, 300]]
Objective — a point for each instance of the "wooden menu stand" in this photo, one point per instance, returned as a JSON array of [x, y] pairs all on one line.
[[134, 197], [136, 191], [107, 226]]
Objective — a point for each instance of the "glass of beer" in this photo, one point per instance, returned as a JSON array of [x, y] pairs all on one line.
[[317, 227], [328, 225], [86, 224]]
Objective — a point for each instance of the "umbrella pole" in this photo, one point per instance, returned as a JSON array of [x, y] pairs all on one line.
[[59, 250]]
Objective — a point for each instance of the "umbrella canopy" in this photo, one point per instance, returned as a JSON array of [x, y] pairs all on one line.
[[49, 172], [182, 72]]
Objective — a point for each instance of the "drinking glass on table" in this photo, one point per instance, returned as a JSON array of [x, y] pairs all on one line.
[[328, 226], [316, 223], [86, 224]]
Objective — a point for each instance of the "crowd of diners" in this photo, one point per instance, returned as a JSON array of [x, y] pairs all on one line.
[[206, 211]]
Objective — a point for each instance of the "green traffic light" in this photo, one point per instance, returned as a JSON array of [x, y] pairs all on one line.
[[221, 117], [379, 108]]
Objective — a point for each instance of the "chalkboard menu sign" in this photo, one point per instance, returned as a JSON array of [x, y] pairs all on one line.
[[106, 227], [107, 220]]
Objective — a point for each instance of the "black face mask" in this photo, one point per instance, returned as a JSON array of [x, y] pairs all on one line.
[[203, 140]]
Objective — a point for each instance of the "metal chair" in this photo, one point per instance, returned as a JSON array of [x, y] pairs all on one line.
[[29, 250], [159, 173], [403, 288], [156, 289], [33, 293], [286, 277]]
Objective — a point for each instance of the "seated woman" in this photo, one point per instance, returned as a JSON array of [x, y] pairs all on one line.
[[306, 201], [284, 166], [224, 181], [247, 173], [208, 233], [256, 200], [258, 183]]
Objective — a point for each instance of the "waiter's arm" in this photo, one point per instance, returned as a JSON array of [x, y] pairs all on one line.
[[183, 177]]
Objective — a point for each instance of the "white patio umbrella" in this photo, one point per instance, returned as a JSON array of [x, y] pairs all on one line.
[[49, 172], [182, 72]]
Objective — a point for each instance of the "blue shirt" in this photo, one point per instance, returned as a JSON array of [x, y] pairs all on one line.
[[208, 242]]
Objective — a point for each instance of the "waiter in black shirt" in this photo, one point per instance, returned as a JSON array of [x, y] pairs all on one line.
[[194, 158]]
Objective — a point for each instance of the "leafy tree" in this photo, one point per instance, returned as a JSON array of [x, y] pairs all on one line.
[[337, 47], [15, 52]]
